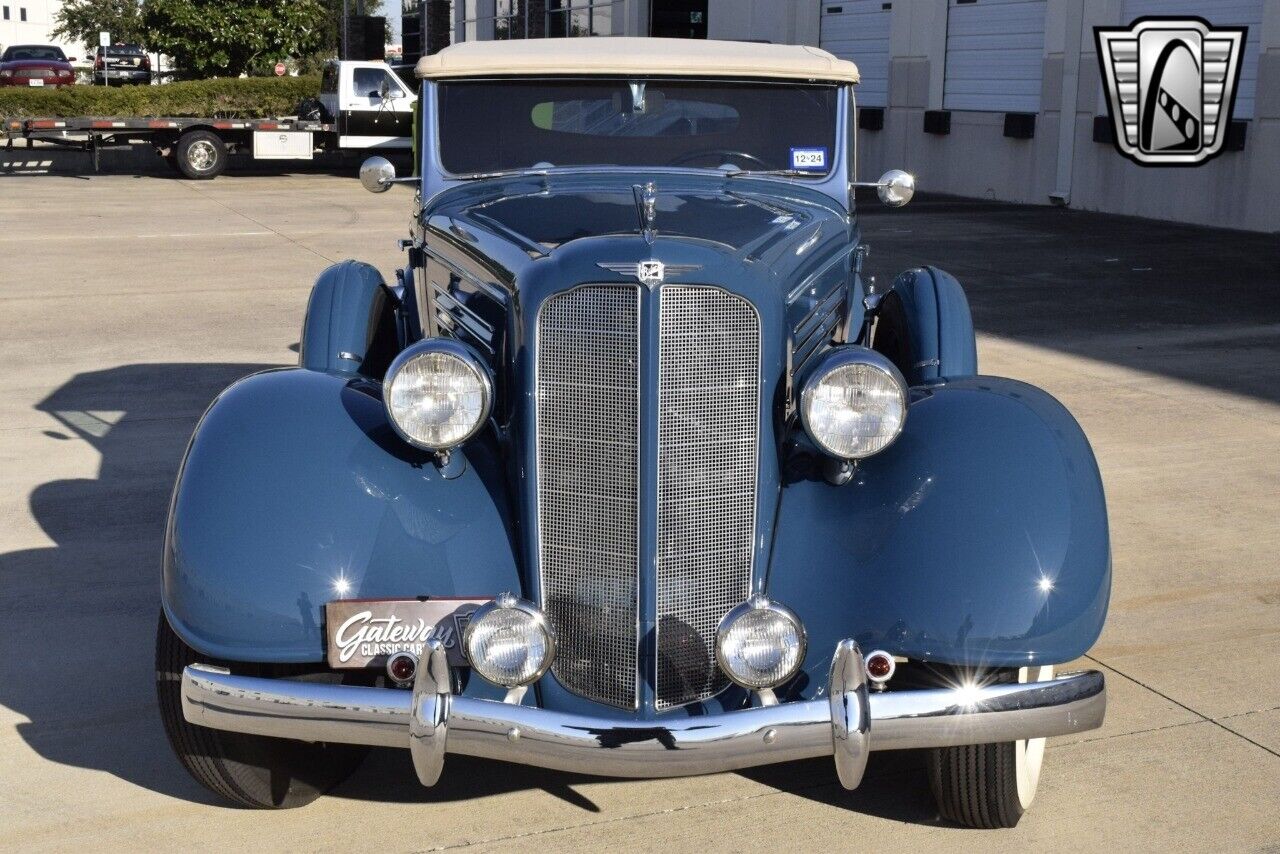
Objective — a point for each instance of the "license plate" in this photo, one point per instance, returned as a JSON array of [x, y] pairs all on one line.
[[366, 632], [35, 81]]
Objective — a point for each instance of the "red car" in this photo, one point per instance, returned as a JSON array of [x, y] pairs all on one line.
[[35, 65]]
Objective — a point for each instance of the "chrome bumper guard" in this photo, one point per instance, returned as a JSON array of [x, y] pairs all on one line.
[[847, 724]]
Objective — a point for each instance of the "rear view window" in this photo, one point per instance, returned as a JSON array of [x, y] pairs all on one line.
[[16, 53], [661, 117]]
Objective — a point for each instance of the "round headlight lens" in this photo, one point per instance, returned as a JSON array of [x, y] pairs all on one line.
[[437, 394], [856, 405], [760, 644], [509, 642]]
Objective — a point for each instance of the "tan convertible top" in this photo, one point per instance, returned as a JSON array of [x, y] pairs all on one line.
[[627, 55]]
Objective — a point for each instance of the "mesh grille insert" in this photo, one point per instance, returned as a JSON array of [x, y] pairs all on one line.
[[708, 411], [588, 455]]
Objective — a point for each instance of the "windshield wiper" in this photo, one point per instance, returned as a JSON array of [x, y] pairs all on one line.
[[784, 173]]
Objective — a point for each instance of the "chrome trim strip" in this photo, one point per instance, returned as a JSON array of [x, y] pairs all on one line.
[[667, 747]]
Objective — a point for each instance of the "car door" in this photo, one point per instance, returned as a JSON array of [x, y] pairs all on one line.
[[376, 108]]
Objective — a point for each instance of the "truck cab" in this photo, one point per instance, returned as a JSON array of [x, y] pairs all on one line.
[[371, 105]]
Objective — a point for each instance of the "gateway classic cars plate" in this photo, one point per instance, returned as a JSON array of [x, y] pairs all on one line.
[[365, 632]]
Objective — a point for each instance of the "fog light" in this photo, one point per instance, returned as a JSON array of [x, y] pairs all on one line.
[[760, 644], [509, 642]]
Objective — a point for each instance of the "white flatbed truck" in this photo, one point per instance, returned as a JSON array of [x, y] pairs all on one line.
[[362, 106]]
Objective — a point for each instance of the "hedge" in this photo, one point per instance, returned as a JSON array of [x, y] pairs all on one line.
[[226, 97]]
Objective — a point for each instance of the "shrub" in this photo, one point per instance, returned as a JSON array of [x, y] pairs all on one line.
[[231, 98]]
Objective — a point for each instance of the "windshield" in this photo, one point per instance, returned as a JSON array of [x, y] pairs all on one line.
[[18, 52], [502, 126]]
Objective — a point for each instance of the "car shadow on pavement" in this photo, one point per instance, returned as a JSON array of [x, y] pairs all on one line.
[[894, 787], [76, 652]]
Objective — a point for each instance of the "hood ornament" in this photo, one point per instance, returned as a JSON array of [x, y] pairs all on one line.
[[648, 199], [653, 272], [649, 273]]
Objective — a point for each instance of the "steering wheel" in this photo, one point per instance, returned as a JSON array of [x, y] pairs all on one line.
[[723, 152]]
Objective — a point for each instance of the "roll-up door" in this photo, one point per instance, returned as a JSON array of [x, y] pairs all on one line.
[[1221, 13], [995, 55], [859, 30]]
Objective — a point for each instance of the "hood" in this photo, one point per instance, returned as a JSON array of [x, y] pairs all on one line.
[[545, 214]]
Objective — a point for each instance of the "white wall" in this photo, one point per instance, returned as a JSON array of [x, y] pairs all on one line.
[[38, 27], [778, 21]]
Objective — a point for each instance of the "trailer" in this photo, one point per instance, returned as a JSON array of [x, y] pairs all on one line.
[[362, 106]]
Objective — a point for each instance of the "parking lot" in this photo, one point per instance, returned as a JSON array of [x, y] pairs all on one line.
[[127, 303]]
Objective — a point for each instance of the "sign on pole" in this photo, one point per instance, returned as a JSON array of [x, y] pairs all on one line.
[[280, 69], [104, 39]]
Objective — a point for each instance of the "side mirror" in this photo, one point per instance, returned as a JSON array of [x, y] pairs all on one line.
[[895, 187], [377, 174], [384, 89]]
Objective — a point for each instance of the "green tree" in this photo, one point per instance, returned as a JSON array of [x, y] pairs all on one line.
[[80, 21], [225, 38]]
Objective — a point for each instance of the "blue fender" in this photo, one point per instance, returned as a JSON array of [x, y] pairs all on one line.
[[295, 491], [350, 326], [979, 538], [938, 339]]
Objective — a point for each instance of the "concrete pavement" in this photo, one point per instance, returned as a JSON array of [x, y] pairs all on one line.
[[127, 303]]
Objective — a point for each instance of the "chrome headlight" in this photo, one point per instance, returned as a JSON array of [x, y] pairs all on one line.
[[854, 404], [509, 642], [438, 394], [760, 644]]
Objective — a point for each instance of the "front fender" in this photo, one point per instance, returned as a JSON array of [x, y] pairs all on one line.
[[979, 538], [295, 491]]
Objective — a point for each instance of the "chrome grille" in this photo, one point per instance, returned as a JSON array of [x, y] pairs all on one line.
[[708, 415], [588, 456]]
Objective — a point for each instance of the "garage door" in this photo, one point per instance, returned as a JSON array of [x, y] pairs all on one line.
[[995, 55], [1222, 13], [859, 30]]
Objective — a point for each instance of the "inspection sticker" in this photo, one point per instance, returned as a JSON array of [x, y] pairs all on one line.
[[809, 159]]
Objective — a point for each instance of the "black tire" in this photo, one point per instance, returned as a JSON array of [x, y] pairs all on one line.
[[247, 770], [977, 785], [201, 155]]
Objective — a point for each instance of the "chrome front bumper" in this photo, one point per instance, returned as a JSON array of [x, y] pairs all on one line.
[[847, 724]]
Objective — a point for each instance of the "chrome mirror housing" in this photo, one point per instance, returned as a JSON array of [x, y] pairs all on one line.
[[377, 174], [895, 188]]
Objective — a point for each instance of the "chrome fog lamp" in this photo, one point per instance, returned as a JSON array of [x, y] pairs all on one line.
[[509, 642], [854, 404], [438, 394], [760, 644]]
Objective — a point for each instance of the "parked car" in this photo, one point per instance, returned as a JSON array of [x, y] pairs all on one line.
[[627, 472], [36, 65], [122, 65]]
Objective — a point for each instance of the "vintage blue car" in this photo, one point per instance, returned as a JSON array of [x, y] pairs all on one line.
[[627, 472]]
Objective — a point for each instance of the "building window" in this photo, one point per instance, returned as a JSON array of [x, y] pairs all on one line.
[[499, 20], [22, 13], [6, 13]]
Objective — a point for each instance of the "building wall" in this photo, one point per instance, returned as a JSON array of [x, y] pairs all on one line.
[[38, 26], [779, 21], [1062, 164]]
